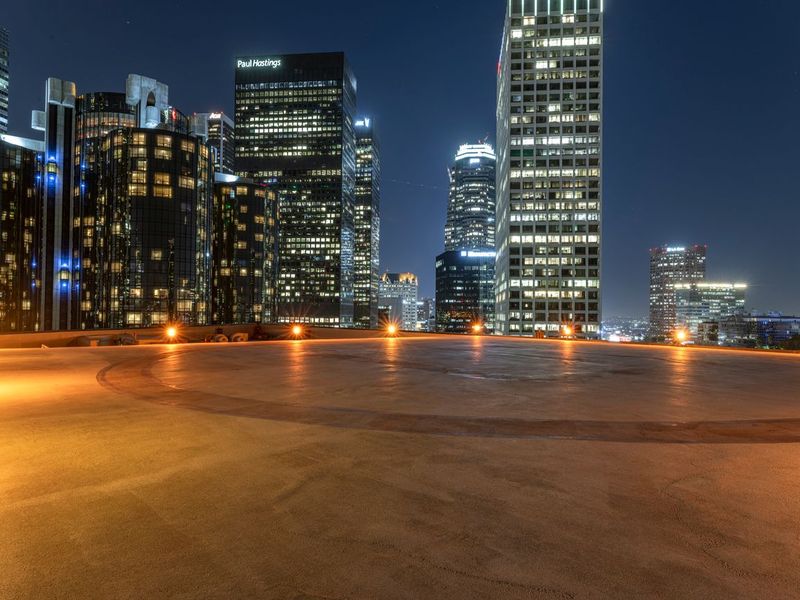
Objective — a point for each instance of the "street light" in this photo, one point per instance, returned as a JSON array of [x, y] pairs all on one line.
[[391, 329], [172, 333], [681, 336], [297, 331], [477, 328], [566, 331]]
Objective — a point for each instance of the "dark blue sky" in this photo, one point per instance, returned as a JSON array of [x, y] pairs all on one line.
[[702, 110]]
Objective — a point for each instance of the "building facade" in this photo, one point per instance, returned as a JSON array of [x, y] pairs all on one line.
[[218, 129], [706, 301], [465, 291], [472, 205], [5, 79], [549, 139], [20, 210], [762, 331], [426, 314], [670, 266], [367, 226], [465, 272], [400, 290], [294, 117], [243, 246], [60, 266], [158, 186], [97, 114]]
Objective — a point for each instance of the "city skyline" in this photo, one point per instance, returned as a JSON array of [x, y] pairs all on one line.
[[658, 188]]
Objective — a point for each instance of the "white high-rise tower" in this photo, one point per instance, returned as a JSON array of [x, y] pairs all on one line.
[[549, 166]]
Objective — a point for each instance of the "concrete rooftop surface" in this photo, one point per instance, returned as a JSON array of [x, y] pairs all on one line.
[[427, 467]]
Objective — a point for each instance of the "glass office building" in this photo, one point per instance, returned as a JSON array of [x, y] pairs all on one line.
[[5, 79], [158, 187], [367, 226], [465, 272], [294, 117], [707, 301], [549, 139], [465, 291], [60, 266], [20, 211], [472, 204], [96, 115], [670, 266], [243, 245]]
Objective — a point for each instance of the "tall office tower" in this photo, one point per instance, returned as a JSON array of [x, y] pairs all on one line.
[[243, 243], [670, 266], [59, 255], [5, 79], [401, 290], [158, 185], [549, 107], [471, 207], [294, 130], [20, 209], [706, 301], [96, 114], [217, 127], [367, 226], [465, 272]]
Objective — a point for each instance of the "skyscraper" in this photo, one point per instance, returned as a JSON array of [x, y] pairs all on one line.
[[218, 129], [242, 251], [294, 117], [400, 291], [670, 266], [20, 209], [60, 254], [465, 272], [367, 220], [5, 79], [549, 137], [471, 207]]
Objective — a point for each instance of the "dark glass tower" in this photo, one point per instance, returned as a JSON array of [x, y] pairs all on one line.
[[294, 130], [20, 206], [5, 80], [96, 115], [243, 246], [158, 186], [367, 226], [465, 291]]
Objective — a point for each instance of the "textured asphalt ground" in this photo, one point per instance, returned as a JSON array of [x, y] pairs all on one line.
[[399, 468]]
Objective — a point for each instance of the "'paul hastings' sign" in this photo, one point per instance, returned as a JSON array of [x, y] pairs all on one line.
[[262, 63]]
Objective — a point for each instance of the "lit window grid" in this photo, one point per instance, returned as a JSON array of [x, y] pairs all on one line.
[[513, 108]]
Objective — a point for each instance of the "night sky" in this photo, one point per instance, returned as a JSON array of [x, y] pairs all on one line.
[[702, 110]]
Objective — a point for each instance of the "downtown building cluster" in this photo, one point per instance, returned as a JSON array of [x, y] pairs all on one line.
[[128, 213], [687, 307]]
